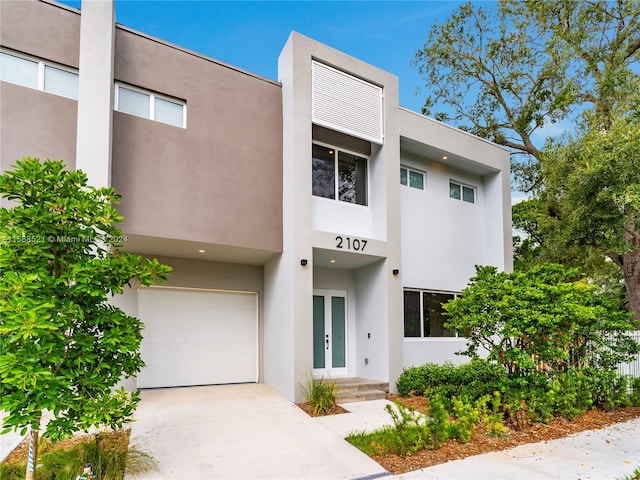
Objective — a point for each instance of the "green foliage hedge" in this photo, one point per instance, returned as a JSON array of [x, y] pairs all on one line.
[[473, 379], [534, 397]]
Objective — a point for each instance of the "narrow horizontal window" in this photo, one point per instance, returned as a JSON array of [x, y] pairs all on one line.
[[146, 104], [412, 178], [462, 192], [38, 74]]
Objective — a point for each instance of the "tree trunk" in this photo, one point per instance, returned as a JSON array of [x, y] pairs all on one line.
[[32, 460], [631, 272]]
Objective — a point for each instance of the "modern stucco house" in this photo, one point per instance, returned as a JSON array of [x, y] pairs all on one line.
[[312, 224]]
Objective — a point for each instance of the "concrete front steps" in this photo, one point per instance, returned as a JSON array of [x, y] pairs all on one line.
[[353, 389]]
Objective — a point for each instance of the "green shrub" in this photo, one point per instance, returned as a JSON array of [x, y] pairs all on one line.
[[473, 379], [610, 389], [493, 418], [438, 424], [570, 394], [409, 434], [320, 394], [634, 397], [467, 416]]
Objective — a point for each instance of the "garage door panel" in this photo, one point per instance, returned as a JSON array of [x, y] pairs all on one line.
[[198, 337]]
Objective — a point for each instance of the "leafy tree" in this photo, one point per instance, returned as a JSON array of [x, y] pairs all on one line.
[[545, 315], [507, 72], [592, 180], [64, 347]]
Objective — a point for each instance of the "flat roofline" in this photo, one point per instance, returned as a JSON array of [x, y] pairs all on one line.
[[170, 45], [62, 6], [197, 55], [455, 128]]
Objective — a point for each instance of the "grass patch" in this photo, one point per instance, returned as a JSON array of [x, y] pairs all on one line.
[[108, 452], [379, 442]]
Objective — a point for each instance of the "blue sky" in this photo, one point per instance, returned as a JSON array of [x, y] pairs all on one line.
[[250, 35]]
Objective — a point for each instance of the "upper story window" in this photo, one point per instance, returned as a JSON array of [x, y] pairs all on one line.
[[339, 175], [424, 315], [412, 178], [38, 74], [462, 192], [146, 104]]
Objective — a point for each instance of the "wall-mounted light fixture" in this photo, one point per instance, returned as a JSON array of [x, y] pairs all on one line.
[[395, 271], [303, 262]]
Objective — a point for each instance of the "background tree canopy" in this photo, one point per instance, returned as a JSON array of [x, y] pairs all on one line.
[[503, 73]]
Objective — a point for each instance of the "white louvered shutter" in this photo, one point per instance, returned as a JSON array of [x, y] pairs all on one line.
[[347, 104]]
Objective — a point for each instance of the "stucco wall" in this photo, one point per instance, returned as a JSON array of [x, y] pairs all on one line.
[[45, 30], [35, 123], [442, 238], [220, 179]]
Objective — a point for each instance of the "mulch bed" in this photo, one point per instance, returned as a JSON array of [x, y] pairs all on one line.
[[308, 409], [481, 443]]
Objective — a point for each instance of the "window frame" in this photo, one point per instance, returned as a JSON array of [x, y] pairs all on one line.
[[152, 103], [336, 173], [422, 337], [41, 66], [462, 186], [409, 170]]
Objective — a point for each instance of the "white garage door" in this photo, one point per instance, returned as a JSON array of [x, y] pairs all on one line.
[[198, 337]]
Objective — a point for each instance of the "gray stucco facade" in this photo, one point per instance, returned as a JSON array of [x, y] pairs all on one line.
[[228, 196]]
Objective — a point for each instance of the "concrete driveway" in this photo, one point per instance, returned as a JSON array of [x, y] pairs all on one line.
[[251, 432], [241, 432]]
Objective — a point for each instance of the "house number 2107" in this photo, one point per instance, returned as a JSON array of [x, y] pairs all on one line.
[[350, 243]]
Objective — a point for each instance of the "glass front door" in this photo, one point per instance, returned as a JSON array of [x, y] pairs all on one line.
[[329, 333]]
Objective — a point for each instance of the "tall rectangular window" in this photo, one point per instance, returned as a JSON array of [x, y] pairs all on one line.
[[412, 314], [352, 178], [468, 195], [339, 175], [323, 172], [424, 316]]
